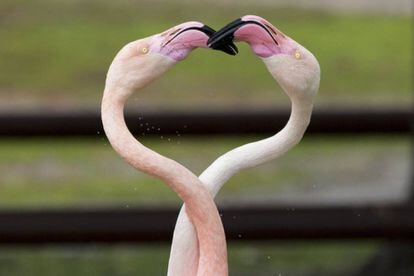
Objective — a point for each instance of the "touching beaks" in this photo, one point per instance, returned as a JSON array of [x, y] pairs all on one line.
[[226, 35], [229, 48]]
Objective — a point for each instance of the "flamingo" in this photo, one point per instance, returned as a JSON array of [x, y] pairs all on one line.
[[136, 65], [298, 73]]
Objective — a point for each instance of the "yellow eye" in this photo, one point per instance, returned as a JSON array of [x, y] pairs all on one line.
[[144, 50], [298, 55]]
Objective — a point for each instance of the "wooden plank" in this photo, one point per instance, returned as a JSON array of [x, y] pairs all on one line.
[[208, 122], [241, 224]]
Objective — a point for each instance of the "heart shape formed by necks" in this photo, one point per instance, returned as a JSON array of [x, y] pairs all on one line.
[[199, 244]]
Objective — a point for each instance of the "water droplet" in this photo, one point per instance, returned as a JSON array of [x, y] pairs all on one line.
[[268, 257], [239, 235]]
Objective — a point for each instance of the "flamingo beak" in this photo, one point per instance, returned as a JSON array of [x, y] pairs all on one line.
[[229, 48], [226, 35]]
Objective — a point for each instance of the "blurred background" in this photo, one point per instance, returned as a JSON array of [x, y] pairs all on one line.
[[54, 55]]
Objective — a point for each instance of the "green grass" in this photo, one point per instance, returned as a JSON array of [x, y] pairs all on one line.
[[293, 259], [58, 52], [70, 172]]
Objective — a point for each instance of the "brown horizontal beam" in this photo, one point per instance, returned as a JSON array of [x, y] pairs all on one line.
[[241, 224], [243, 121]]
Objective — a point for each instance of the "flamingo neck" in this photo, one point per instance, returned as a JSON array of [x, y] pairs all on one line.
[[201, 208], [255, 153]]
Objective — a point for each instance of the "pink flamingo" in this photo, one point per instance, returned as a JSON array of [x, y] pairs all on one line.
[[136, 65], [297, 72]]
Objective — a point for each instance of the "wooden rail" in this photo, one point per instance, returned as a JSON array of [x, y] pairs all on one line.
[[243, 121], [241, 223]]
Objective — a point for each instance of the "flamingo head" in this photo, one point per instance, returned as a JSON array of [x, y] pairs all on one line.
[[292, 65], [140, 62]]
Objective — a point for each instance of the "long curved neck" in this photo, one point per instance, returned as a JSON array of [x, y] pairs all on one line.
[[201, 208], [255, 153], [136, 154]]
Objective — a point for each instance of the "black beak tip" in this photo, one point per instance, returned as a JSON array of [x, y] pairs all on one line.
[[207, 30], [228, 47], [223, 39]]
